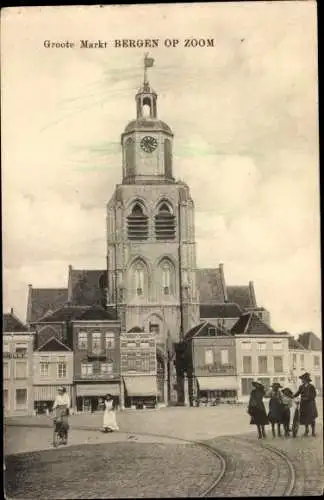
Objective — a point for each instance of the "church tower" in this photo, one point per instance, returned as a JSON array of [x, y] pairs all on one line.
[[151, 246]]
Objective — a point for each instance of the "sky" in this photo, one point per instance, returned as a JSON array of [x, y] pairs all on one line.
[[244, 117]]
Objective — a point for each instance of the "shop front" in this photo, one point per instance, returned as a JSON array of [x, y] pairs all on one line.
[[90, 397], [44, 397], [141, 391], [214, 390]]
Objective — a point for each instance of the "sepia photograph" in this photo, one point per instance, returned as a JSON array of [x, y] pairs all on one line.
[[162, 329]]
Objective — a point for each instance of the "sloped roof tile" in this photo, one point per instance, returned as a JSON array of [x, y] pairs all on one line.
[[240, 295], [310, 341], [11, 324], [294, 344], [226, 310], [202, 330], [87, 286], [250, 324], [44, 300], [87, 313], [210, 285]]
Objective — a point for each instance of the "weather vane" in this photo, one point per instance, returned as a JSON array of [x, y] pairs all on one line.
[[148, 63]]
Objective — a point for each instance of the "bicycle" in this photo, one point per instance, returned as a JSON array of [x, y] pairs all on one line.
[[295, 424], [60, 431]]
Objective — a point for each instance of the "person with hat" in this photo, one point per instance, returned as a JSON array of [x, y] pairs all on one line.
[[275, 408], [308, 409], [61, 407], [256, 409], [109, 418]]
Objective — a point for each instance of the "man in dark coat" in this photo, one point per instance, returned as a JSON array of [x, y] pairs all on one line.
[[256, 409], [308, 410]]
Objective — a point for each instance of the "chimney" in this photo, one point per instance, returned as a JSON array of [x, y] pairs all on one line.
[[252, 293], [11, 311], [221, 268]]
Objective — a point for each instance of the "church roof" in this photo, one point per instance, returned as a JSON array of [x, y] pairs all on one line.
[[243, 296], [73, 313], [310, 341], [250, 324], [42, 300], [12, 324], [87, 286], [211, 286], [147, 124], [226, 310]]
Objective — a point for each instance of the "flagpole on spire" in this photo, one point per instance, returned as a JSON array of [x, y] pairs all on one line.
[[148, 63]]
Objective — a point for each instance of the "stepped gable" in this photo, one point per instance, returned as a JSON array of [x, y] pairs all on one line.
[[44, 300], [226, 310], [211, 286], [250, 324], [12, 324], [241, 295], [87, 286]]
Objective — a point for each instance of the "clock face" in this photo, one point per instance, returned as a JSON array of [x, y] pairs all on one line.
[[148, 144]]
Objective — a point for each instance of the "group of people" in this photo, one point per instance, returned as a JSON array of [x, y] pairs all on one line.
[[61, 409], [280, 403]]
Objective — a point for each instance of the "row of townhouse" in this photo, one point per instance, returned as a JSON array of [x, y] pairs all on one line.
[[90, 357], [84, 350], [222, 364]]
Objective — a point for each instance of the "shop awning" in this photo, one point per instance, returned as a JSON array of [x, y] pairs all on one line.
[[217, 383], [141, 385], [48, 392], [97, 389]]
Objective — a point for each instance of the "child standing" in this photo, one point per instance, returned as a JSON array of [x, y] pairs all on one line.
[[287, 400]]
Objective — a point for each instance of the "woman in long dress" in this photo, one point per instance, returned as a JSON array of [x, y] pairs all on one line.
[[256, 409], [308, 409], [109, 417]]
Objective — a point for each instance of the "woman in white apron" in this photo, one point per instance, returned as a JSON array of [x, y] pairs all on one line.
[[109, 418]]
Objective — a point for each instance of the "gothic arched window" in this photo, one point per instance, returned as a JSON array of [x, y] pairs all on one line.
[[139, 278], [164, 223], [167, 158], [167, 277], [130, 157], [137, 224]]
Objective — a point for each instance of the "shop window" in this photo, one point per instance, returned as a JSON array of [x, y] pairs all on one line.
[[62, 369], [246, 386], [82, 341], [109, 340], [21, 369], [21, 397], [44, 368]]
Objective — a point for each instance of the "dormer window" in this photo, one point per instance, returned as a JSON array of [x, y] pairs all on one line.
[[212, 332]]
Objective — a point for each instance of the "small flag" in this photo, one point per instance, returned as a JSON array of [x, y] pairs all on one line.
[[148, 62]]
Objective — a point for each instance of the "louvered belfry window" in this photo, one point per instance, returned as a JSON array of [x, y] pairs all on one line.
[[164, 223], [137, 224]]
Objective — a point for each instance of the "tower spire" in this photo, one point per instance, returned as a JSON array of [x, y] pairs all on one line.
[[148, 63]]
